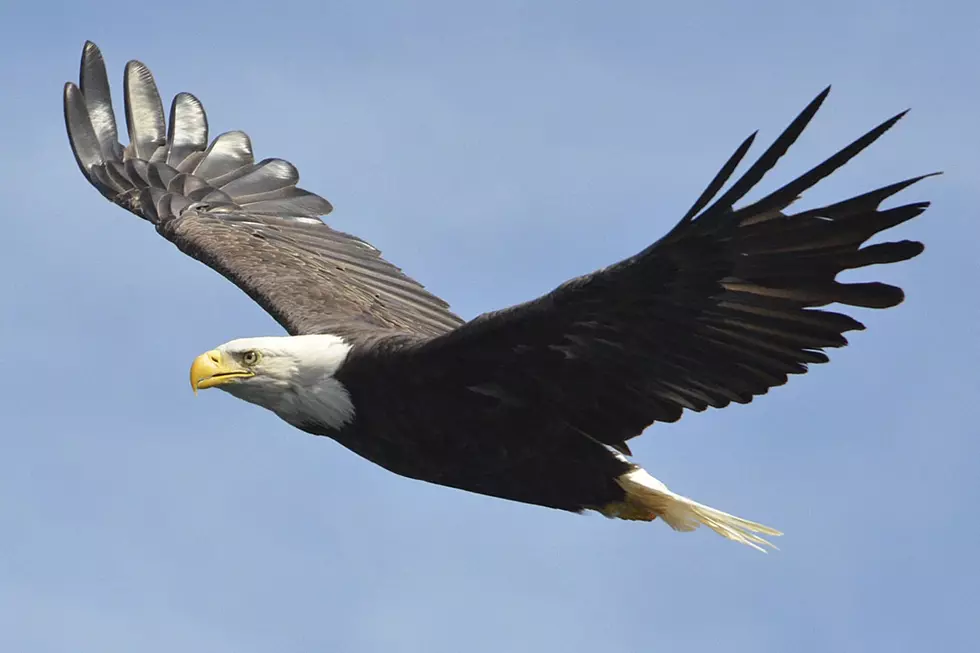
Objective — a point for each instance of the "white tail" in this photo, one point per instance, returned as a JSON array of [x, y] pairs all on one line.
[[682, 514]]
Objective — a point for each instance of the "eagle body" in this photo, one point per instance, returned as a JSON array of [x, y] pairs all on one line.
[[503, 446], [536, 402], [512, 449]]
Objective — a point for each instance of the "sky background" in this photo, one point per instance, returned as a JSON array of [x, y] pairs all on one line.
[[492, 150]]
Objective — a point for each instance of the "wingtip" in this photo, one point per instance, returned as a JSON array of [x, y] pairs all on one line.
[[914, 180], [898, 116], [822, 95], [136, 66], [90, 54], [91, 58], [137, 72], [90, 49], [811, 108]]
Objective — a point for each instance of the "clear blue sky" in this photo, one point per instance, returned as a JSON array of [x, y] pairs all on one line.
[[492, 150]]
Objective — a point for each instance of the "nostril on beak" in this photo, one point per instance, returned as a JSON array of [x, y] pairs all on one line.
[[215, 357]]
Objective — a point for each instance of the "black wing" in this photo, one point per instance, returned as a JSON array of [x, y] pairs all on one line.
[[246, 220], [719, 310]]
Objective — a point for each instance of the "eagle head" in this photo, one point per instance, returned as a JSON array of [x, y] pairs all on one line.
[[293, 376]]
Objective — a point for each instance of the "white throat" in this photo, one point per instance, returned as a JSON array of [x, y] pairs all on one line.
[[295, 378]]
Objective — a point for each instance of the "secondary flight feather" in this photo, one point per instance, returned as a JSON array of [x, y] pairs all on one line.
[[533, 403]]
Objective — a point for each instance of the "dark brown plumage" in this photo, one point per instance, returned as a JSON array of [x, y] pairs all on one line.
[[526, 403]]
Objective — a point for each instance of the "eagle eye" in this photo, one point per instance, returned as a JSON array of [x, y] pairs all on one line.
[[251, 357]]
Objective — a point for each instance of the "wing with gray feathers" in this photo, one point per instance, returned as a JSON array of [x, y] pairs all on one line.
[[721, 309], [246, 220]]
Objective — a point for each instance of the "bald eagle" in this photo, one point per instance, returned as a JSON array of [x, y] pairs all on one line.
[[534, 403]]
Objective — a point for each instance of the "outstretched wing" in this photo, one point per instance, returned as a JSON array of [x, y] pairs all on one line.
[[719, 310], [246, 220]]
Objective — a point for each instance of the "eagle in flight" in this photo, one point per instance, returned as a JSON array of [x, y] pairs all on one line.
[[532, 403]]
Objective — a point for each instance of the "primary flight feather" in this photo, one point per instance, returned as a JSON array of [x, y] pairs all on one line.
[[534, 403]]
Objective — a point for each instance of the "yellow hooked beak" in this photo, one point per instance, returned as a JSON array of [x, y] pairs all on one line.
[[213, 369]]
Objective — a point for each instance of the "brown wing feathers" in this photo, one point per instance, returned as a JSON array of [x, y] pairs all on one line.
[[719, 310], [772, 269], [243, 218]]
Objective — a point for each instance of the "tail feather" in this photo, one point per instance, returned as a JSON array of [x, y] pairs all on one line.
[[648, 498]]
